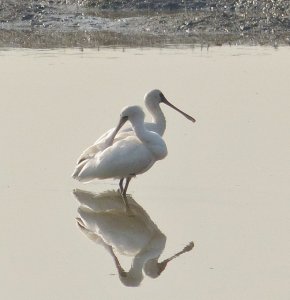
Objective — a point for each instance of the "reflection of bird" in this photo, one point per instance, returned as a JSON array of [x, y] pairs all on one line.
[[103, 220], [153, 99], [125, 157]]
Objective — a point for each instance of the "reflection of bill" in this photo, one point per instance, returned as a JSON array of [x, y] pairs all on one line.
[[104, 219]]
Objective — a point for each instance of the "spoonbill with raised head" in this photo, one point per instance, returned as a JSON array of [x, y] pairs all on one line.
[[126, 157]]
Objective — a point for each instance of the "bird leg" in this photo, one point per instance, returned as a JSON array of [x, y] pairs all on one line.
[[121, 185], [124, 196], [126, 186]]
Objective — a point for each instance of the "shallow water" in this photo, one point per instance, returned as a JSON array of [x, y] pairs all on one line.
[[224, 184]]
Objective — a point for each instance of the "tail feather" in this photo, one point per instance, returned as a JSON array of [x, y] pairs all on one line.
[[78, 169]]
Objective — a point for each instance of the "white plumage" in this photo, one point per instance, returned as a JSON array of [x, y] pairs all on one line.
[[152, 100], [124, 157]]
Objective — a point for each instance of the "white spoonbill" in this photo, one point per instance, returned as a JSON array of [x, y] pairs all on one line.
[[153, 99], [127, 157]]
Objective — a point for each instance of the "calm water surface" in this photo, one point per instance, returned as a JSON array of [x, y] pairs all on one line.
[[224, 184]]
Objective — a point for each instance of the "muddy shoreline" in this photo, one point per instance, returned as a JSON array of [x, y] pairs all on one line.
[[92, 23]]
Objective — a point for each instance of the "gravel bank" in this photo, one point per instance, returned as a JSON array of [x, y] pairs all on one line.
[[94, 23]]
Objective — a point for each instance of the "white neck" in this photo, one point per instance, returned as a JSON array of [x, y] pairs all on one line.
[[151, 140], [158, 118], [141, 132]]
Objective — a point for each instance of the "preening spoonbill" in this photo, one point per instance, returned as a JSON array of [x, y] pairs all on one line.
[[153, 99], [126, 157]]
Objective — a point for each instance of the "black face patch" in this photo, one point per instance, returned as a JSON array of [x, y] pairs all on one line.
[[161, 96]]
